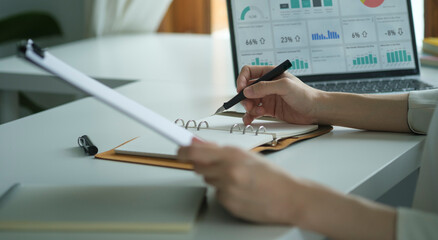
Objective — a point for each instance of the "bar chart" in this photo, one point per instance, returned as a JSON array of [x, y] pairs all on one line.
[[369, 59], [398, 56], [321, 36], [328, 3], [300, 60], [260, 62], [307, 4], [298, 64]]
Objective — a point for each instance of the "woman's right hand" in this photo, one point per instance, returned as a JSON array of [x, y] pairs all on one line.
[[286, 98]]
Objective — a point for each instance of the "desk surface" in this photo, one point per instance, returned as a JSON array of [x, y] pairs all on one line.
[[119, 59], [42, 148]]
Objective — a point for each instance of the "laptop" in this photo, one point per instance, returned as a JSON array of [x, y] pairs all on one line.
[[360, 46]]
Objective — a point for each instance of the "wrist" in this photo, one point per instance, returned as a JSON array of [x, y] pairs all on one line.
[[323, 107], [301, 202], [339, 216]]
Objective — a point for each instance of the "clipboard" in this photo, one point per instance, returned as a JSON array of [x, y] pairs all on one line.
[[43, 59]]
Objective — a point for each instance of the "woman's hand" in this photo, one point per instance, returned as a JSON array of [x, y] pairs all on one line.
[[286, 98], [246, 185], [252, 189]]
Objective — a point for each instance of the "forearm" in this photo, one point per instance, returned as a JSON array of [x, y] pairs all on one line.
[[345, 217], [371, 112]]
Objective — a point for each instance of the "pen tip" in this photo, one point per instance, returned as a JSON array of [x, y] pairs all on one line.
[[221, 109]]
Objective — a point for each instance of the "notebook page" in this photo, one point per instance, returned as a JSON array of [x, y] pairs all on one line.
[[161, 147], [278, 129]]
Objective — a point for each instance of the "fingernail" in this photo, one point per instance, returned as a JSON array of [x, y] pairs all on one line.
[[196, 140]]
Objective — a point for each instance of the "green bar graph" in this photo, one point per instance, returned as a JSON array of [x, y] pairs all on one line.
[[398, 56], [306, 3], [258, 62], [365, 60], [294, 3], [328, 3], [299, 64]]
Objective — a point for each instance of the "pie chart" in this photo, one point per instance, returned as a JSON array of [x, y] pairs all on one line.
[[372, 3]]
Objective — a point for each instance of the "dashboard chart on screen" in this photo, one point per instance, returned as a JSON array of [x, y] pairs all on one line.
[[324, 36]]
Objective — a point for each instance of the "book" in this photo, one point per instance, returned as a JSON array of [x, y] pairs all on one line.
[[100, 208], [222, 129], [429, 60], [430, 46]]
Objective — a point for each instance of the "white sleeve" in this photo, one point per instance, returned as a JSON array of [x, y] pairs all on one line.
[[416, 225], [420, 109]]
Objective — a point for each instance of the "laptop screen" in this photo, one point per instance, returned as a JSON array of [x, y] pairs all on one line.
[[325, 39]]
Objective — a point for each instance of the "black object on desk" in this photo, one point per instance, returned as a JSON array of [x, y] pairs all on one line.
[[88, 146], [277, 71]]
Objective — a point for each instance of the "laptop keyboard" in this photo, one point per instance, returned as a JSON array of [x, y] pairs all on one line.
[[372, 86]]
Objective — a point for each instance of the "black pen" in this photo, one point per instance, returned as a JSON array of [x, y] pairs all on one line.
[[89, 148], [280, 69]]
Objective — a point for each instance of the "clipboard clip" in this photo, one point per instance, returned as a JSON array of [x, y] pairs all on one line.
[[25, 45]]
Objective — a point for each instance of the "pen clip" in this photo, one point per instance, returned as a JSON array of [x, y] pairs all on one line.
[[25, 45], [81, 142], [85, 143], [38, 50]]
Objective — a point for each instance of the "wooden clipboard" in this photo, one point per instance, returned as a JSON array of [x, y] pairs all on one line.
[[172, 163]]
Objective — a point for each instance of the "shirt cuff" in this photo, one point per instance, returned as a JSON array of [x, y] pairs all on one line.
[[414, 224], [420, 109]]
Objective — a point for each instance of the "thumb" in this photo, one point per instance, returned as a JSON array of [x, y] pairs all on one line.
[[265, 88]]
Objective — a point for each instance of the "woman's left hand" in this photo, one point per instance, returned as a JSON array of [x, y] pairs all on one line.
[[246, 185]]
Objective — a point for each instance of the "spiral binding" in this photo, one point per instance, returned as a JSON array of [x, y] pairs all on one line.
[[195, 125], [185, 125], [232, 128]]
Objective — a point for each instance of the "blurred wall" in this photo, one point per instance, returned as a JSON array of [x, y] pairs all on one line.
[[70, 14]]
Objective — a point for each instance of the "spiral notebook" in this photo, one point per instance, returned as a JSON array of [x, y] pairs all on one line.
[[222, 129]]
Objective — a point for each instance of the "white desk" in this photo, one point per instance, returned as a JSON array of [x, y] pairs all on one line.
[[42, 148], [119, 60]]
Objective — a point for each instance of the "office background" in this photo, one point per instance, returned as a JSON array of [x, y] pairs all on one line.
[[80, 19]]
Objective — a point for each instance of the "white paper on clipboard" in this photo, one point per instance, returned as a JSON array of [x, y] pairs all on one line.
[[133, 109]]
